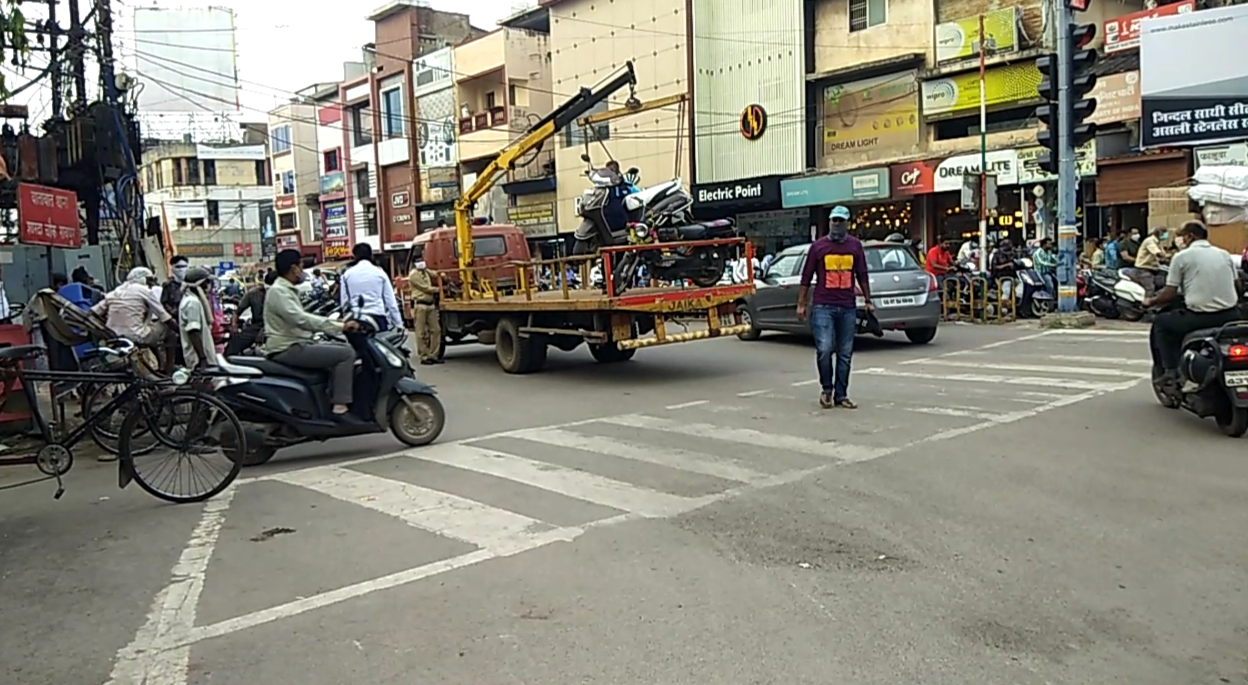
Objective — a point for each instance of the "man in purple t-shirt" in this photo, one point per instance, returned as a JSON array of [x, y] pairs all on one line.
[[834, 263]]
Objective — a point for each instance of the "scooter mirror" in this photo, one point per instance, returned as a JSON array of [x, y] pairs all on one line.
[[585, 157]]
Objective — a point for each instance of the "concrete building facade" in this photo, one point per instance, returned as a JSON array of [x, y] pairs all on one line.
[[208, 197], [293, 158]]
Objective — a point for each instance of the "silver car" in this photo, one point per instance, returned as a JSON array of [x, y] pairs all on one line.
[[906, 297]]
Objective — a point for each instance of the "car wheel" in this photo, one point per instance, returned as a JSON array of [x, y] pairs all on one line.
[[921, 336], [746, 318]]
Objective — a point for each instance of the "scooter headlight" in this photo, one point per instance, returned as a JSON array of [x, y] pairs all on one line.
[[392, 359]]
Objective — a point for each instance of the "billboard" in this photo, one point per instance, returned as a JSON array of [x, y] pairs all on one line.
[[1186, 98], [1123, 33], [186, 59], [959, 39], [268, 230]]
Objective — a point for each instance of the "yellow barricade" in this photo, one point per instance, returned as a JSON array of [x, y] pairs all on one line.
[[979, 300]]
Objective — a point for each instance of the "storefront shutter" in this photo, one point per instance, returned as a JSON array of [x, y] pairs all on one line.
[[1123, 181]]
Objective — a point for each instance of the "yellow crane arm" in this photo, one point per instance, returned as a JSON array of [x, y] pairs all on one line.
[[533, 139]]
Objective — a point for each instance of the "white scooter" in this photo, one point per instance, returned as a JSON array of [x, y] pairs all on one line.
[[1130, 295]]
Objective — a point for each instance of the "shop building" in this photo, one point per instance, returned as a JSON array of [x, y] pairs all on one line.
[[756, 207], [437, 127], [293, 157], [867, 194], [334, 226], [590, 39], [503, 87]]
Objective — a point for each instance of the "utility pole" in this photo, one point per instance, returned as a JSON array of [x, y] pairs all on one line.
[[983, 150], [77, 53], [54, 55]]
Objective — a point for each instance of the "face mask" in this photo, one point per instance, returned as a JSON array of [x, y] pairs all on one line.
[[838, 230], [1165, 235], [1135, 236], [179, 272], [420, 266]]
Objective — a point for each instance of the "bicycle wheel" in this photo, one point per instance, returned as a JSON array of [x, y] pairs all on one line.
[[198, 429]]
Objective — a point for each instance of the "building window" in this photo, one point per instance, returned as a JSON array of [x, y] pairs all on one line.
[[392, 113], [182, 223], [210, 172], [286, 222], [177, 171], [361, 129], [288, 183], [865, 14], [332, 163], [575, 135], [214, 213], [490, 100], [262, 172], [370, 222], [511, 93], [149, 179], [362, 189], [279, 140], [192, 172], [317, 224]]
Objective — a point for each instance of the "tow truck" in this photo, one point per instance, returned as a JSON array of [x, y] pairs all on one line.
[[497, 300]]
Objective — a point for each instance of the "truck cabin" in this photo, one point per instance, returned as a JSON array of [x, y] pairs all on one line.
[[495, 245]]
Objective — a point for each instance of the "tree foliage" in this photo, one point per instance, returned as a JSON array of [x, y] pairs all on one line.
[[14, 43]]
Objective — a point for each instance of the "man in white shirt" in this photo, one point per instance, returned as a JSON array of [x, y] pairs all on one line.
[[365, 281], [1207, 278]]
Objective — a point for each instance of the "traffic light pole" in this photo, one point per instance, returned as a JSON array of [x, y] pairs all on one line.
[[1067, 178]]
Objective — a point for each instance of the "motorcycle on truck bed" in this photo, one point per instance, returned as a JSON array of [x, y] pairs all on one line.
[[492, 290]]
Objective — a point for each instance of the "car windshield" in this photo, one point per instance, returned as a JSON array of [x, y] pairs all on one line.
[[890, 258]]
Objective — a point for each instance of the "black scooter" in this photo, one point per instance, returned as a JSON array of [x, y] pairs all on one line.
[[281, 405], [1213, 376]]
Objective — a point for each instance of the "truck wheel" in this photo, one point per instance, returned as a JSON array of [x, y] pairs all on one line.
[[610, 354], [517, 354]]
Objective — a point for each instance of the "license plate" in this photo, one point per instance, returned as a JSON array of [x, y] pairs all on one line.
[[1236, 379], [898, 301]]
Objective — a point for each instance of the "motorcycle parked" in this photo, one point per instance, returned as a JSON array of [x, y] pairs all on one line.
[[281, 405], [1036, 297], [1213, 377], [1100, 293], [704, 266]]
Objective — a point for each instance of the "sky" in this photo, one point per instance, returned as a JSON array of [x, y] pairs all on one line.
[[282, 46]]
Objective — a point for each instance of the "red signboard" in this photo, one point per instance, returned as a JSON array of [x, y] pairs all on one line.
[[284, 202], [48, 216], [1123, 33], [242, 249], [913, 178]]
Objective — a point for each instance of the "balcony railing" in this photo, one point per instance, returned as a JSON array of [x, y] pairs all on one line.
[[483, 121], [542, 166]]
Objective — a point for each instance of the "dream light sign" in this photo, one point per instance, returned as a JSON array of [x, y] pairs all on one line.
[[1001, 163]]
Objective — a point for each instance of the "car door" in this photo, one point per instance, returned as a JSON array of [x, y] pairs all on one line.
[[776, 292]]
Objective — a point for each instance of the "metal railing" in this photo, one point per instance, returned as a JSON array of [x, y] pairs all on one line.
[[978, 299]]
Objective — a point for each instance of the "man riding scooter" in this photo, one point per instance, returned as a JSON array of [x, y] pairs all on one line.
[[1206, 277], [289, 333]]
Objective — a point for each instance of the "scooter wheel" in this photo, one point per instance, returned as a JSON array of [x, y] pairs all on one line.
[[418, 420], [1233, 421]]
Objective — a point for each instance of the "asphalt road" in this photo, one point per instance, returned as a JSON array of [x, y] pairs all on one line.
[[1008, 506]]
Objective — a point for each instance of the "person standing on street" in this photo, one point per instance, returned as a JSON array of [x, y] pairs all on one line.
[[427, 319], [834, 263], [365, 282]]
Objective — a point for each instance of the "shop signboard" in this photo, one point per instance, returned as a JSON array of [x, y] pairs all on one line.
[[333, 182], [913, 178], [284, 202], [1232, 154], [958, 95], [287, 241], [749, 191], [959, 39], [1029, 170], [48, 216], [1187, 98], [336, 249], [871, 115], [1117, 98], [336, 220], [950, 173], [1123, 33], [536, 220], [852, 186], [268, 229], [190, 250]]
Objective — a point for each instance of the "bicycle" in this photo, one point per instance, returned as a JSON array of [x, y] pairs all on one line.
[[151, 408]]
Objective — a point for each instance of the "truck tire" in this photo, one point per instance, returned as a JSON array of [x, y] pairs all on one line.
[[518, 354], [610, 354]]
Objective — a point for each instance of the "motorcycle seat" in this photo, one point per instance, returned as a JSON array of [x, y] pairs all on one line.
[[702, 230], [1197, 335], [272, 368]]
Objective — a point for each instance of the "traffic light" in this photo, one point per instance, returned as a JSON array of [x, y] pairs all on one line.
[[1082, 81], [1048, 112]]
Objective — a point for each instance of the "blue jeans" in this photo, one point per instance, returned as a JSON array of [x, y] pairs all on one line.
[[834, 329]]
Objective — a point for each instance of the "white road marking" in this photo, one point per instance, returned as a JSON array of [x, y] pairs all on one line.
[[771, 441], [1095, 333], [685, 405], [1039, 368], [437, 512], [1005, 343], [684, 460], [1036, 381], [959, 412], [754, 393], [172, 617], [799, 384], [576, 484]]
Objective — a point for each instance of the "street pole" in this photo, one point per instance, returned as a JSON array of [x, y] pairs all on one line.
[[1067, 178], [983, 152], [54, 55]]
